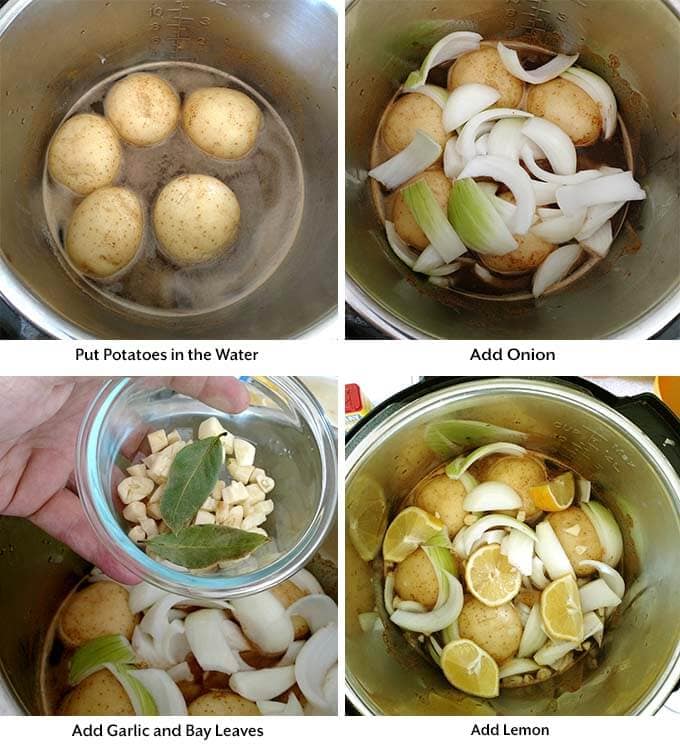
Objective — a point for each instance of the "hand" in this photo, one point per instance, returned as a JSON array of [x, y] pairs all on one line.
[[39, 422]]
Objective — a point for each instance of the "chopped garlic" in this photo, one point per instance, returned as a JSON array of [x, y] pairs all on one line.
[[135, 512], [521, 516], [134, 489], [210, 505], [253, 520], [217, 490], [211, 427], [244, 452], [255, 493], [468, 520], [265, 507], [150, 527], [235, 517], [158, 494], [137, 470], [158, 440], [235, 493], [203, 517], [239, 472], [228, 443], [174, 436], [159, 470], [153, 510], [137, 534]]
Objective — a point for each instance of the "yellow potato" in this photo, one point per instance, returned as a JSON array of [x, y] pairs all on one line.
[[143, 108], [520, 473], [288, 593], [100, 694], [578, 537], [411, 113], [222, 122], [443, 497], [531, 252], [415, 580], [404, 222], [498, 630], [222, 703], [484, 66], [85, 154], [100, 609], [196, 219], [569, 107]]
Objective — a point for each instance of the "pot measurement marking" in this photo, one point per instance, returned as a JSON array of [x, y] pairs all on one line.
[[179, 27]]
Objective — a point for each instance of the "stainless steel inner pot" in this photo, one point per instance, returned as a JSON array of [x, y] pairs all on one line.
[[36, 575], [53, 52], [631, 472], [635, 44]]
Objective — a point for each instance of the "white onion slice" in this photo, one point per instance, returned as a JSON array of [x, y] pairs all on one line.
[[315, 660], [447, 48], [234, 635], [597, 595], [558, 147], [605, 190], [305, 581], [470, 131], [551, 552], [208, 643], [458, 546], [476, 530], [388, 593], [515, 178], [482, 145], [607, 531], [519, 549], [538, 578], [173, 646], [583, 489], [560, 229], [596, 216], [264, 621], [437, 94], [544, 193], [289, 658], [465, 102], [167, 696], [144, 595], [600, 241], [533, 637], [181, 672], [517, 667], [445, 270], [550, 654], [564, 180], [330, 689], [610, 576], [599, 90], [437, 619], [550, 70], [409, 606], [428, 260], [453, 161], [458, 466], [144, 647], [317, 610], [401, 250], [555, 268], [492, 495], [262, 684], [409, 162], [547, 213], [524, 610], [506, 138]]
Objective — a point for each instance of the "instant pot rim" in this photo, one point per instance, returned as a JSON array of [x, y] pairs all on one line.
[[364, 439]]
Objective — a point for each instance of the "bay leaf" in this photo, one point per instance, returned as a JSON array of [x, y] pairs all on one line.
[[450, 437], [201, 546], [193, 475]]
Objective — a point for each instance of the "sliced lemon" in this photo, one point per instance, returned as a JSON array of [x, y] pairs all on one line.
[[490, 577], [366, 516], [411, 528], [470, 669], [561, 610], [554, 495]]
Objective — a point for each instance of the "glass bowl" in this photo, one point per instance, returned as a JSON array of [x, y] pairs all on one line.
[[295, 444]]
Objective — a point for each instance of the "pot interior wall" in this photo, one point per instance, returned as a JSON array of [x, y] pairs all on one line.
[[386, 40], [642, 642], [284, 50]]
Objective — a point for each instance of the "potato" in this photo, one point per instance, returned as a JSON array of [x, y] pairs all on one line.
[[498, 630], [415, 580], [105, 232], [404, 222], [100, 694], [443, 497], [484, 66], [143, 108], [84, 154], [521, 473], [222, 122], [408, 114], [288, 593], [531, 251], [569, 107], [100, 609], [578, 537], [222, 703], [196, 219]]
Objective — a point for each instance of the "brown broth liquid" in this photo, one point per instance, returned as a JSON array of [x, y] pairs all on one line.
[[615, 153], [268, 183]]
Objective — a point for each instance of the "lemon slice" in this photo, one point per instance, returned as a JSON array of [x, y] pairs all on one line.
[[561, 610], [470, 669], [411, 528], [366, 517], [490, 577], [555, 495]]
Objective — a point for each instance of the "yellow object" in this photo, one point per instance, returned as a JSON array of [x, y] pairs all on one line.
[[490, 577], [470, 669], [411, 528], [554, 495], [668, 389], [366, 516], [561, 610]]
